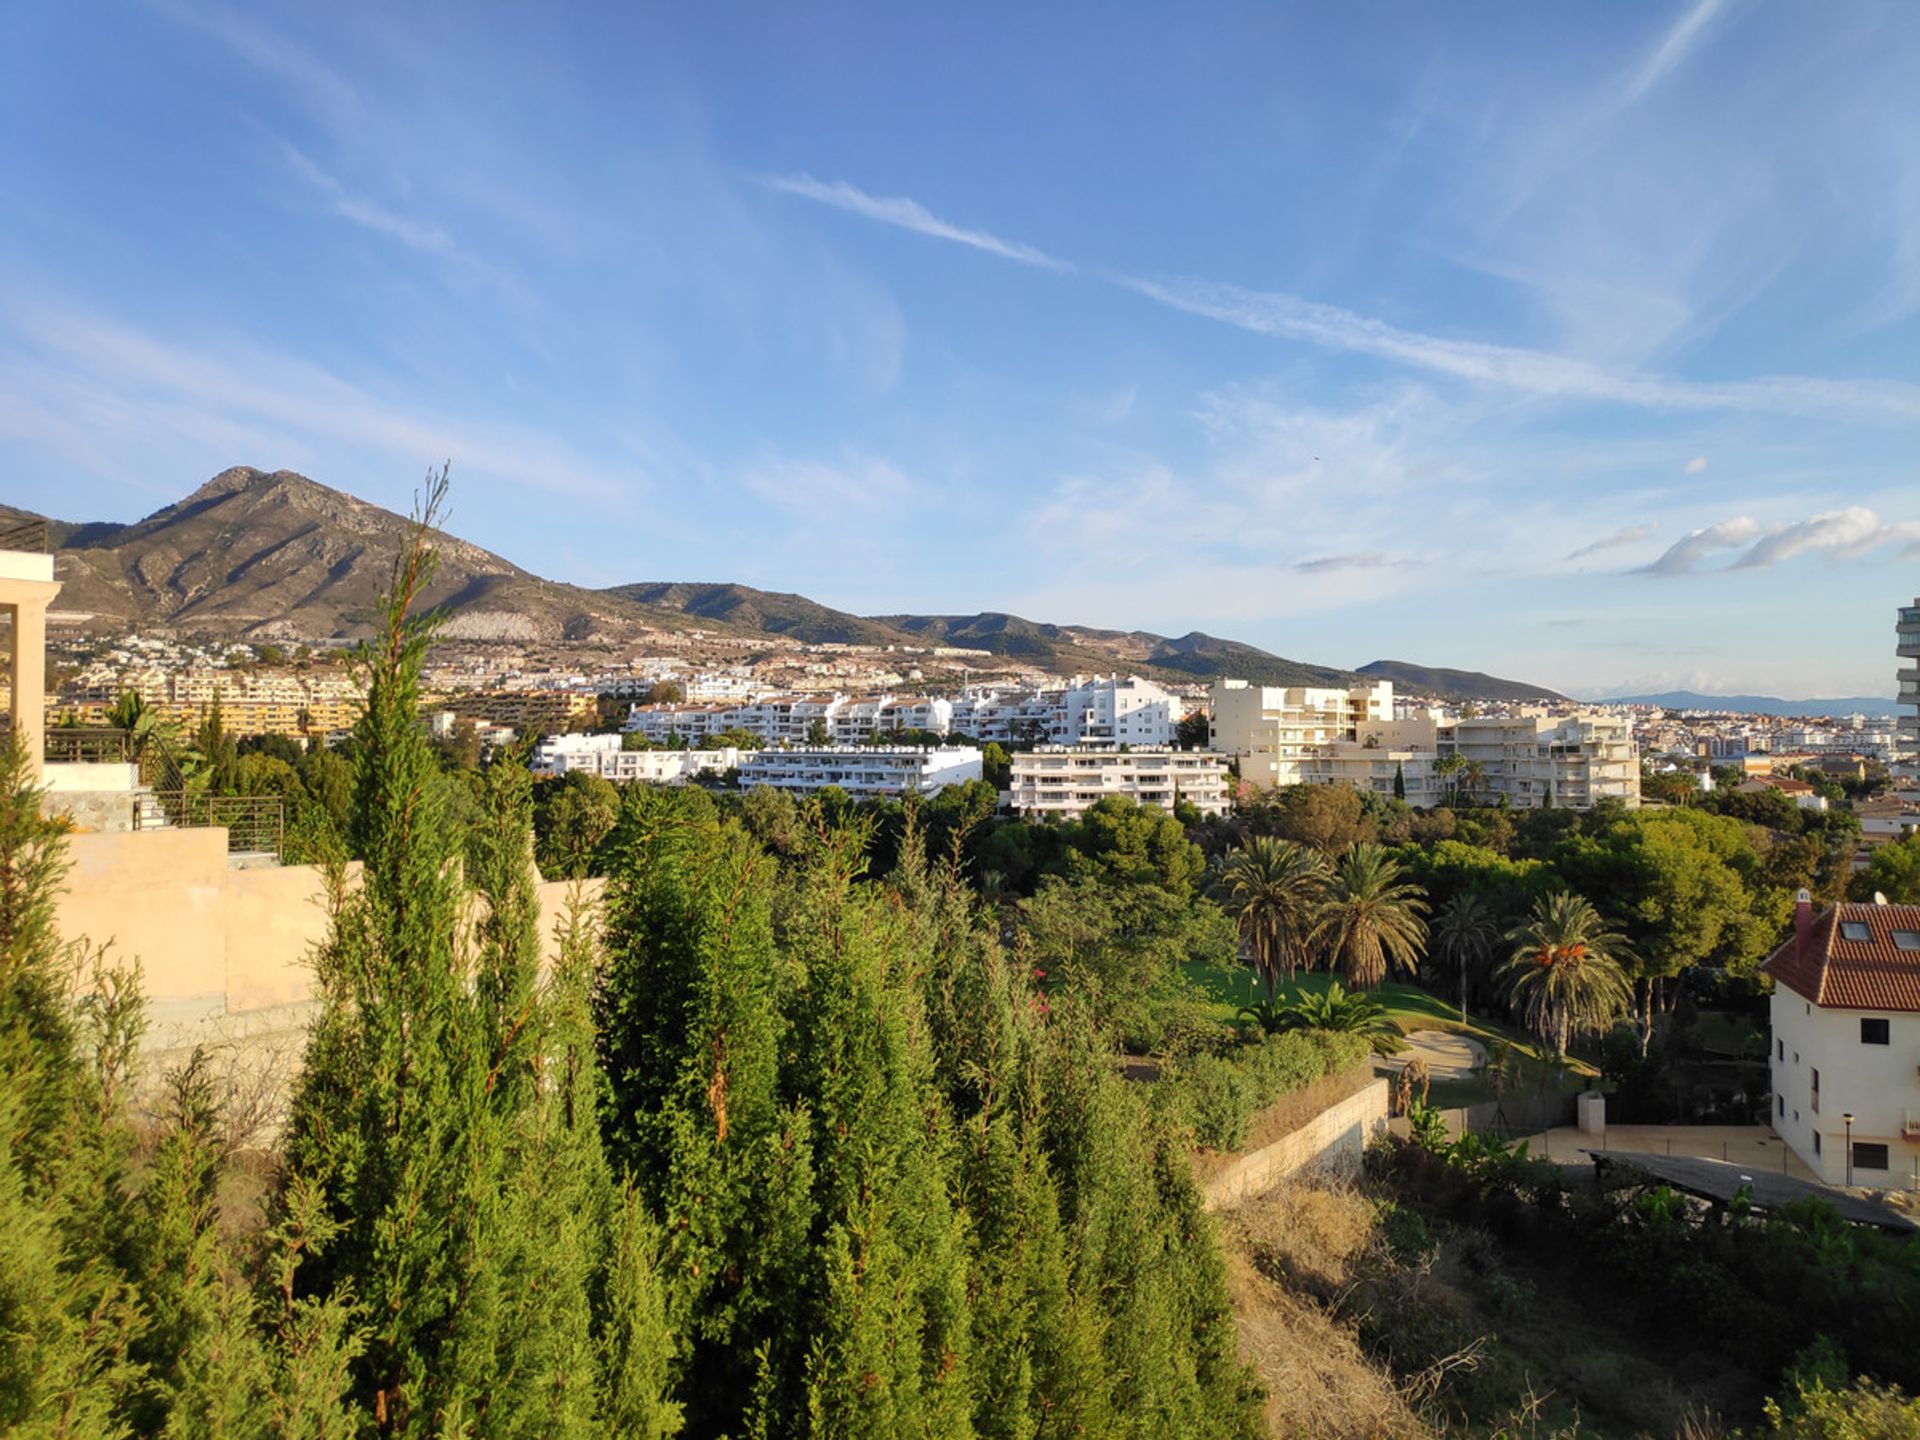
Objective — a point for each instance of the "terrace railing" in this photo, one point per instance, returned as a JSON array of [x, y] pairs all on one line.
[[17, 533]]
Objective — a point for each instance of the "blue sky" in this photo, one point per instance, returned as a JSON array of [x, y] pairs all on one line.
[[1579, 343]]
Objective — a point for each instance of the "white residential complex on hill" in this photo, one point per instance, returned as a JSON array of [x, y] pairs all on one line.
[[1064, 782], [1105, 711], [864, 772], [602, 755], [1300, 735]]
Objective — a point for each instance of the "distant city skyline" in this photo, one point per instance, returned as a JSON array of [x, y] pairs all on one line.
[[1579, 346]]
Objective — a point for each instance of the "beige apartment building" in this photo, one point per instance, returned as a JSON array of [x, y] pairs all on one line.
[[1307, 736], [1065, 781], [1275, 730]]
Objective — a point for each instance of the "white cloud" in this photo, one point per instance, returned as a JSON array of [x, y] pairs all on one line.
[[1853, 531], [908, 215], [1632, 535], [1684, 554], [1696, 465]]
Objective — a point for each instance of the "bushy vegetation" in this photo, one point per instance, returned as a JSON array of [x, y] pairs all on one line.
[[788, 1147], [1216, 1095]]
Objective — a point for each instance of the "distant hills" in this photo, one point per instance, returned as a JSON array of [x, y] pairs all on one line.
[[1761, 704], [275, 556], [1453, 684]]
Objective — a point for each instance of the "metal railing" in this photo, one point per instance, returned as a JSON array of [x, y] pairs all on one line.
[[17, 533], [87, 745], [255, 824]]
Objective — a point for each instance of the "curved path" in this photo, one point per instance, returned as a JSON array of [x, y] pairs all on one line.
[[1449, 1056]]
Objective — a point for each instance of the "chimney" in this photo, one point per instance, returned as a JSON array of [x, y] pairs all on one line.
[[1802, 922]]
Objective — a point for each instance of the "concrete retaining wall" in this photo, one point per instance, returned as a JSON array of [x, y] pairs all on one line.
[[1331, 1142]]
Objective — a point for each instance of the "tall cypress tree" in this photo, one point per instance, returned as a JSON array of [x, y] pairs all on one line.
[[691, 1035], [464, 1202], [886, 1307]]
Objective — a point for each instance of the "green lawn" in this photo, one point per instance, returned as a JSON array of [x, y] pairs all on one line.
[[1227, 988]]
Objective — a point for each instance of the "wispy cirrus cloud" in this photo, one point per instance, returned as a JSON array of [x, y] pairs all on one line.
[[1632, 535], [1852, 531], [1364, 560], [1670, 53], [1519, 369], [907, 215], [369, 213]]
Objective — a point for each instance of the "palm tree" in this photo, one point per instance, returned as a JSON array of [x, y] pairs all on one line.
[[1463, 936], [1371, 917], [1565, 972], [1447, 767], [1344, 1013], [1272, 890]]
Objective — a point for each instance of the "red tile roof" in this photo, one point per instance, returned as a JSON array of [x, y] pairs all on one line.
[[1843, 974]]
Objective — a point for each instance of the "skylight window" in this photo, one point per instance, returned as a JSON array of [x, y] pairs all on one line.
[[1857, 930], [1906, 939]]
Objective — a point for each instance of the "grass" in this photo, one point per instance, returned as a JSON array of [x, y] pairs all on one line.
[[1228, 987]]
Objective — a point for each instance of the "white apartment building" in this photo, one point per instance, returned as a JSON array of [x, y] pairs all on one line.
[[1109, 710], [1573, 762], [1064, 781], [1846, 1042], [662, 723], [864, 772], [602, 755], [1272, 730], [1405, 749]]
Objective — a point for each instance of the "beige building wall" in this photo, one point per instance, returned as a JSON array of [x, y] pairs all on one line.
[[224, 951]]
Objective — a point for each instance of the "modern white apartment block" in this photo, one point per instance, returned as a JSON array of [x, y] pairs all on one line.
[[864, 772], [1274, 730], [1574, 762], [602, 755], [1064, 781], [1907, 633], [1401, 750], [1846, 1042], [796, 719], [1111, 710]]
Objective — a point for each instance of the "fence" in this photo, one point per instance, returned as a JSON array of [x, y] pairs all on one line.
[[92, 745], [255, 824], [22, 534]]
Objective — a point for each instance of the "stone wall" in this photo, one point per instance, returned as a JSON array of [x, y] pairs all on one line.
[[1332, 1142]]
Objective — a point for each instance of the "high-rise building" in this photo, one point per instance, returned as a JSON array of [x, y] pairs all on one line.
[[1907, 737]]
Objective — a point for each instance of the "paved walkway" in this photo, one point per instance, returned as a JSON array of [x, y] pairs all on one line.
[[1449, 1056], [1750, 1145]]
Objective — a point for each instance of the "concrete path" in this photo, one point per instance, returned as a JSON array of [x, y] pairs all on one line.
[[1448, 1056]]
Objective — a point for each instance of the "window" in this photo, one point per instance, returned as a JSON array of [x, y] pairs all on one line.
[[1906, 939], [1867, 1156], [1815, 1102], [1783, 1106], [1816, 1142], [1854, 930], [1783, 1048], [1875, 1032]]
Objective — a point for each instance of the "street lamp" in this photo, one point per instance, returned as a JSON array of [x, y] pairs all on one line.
[[1848, 1120]]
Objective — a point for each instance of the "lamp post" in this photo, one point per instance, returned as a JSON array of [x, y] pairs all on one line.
[[1847, 1119]]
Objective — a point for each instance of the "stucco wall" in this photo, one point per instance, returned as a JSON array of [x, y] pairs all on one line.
[[223, 950], [1332, 1141], [1877, 1083]]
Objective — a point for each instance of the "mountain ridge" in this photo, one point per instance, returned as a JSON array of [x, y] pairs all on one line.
[[1445, 684], [273, 555], [1760, 704]]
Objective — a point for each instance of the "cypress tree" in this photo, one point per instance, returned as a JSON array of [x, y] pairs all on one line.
[[1399, 780], [691, 1034], [886, 1308], [423, 1116], [69, 1317]]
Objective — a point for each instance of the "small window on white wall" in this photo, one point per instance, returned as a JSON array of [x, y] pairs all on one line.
[[1875, 1030]]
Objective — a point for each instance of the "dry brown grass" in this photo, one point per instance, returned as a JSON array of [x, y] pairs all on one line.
[[1296, 1242]]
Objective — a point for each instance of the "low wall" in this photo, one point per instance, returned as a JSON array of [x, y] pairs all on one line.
[[1333, 1141], [223, 949]]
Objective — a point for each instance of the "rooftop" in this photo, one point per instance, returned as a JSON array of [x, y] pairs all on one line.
[[1854, 957]]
